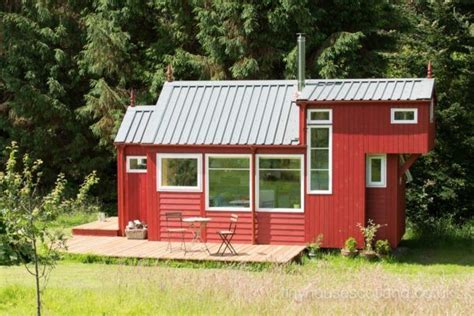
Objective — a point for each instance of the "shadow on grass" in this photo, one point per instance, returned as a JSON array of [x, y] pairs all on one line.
[[425, 250]]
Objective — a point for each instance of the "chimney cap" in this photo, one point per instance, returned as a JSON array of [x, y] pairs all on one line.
[[132, 97], [169, 73]]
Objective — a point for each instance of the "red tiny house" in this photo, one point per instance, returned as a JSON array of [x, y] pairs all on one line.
[[365, 118]]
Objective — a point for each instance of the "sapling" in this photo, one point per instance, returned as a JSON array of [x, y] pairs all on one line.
[[27, 215]]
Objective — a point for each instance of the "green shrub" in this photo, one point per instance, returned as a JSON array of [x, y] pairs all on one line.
[[314, 246], [350, 244], [382, 247], [369, 232]]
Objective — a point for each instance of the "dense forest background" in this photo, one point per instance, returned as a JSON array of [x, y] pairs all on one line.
[[67, 66]]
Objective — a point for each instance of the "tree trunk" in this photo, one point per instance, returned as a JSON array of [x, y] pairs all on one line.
[[37, 278]]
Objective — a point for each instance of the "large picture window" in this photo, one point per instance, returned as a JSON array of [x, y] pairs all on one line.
[[179, 172], [279, 181], [228, 182]]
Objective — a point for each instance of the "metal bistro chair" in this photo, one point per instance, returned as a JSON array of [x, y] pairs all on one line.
[[227, 235], [175, 217]]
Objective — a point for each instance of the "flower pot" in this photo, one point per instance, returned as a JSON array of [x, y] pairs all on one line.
[[348, 253], [369, 255]]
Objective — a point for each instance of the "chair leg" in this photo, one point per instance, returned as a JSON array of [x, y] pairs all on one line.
[[228, 245], [222, 244], [183, 242], [169, 243]]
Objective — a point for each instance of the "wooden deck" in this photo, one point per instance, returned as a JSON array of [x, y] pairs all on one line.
[[121, 247], [107, 228]]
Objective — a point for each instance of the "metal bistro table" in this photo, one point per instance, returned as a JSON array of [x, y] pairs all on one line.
[[198, 225]]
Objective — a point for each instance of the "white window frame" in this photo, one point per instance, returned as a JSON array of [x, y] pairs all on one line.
[[257, 184], [329, 121], [308, 157], [395, 110], [162, 188], [383, 172], [229, 208], [432, 111], [130, 170]]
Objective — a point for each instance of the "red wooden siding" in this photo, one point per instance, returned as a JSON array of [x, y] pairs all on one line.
[[220, 221], [189, 204], [280, 228], [358, 129], [383, 204]]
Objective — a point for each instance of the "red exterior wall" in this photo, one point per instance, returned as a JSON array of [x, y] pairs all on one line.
[[384, 205], [141, 190], [358, 129]]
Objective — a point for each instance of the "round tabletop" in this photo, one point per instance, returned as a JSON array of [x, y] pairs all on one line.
[[196, 219]]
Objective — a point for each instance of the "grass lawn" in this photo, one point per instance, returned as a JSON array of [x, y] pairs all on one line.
[[425, 278]]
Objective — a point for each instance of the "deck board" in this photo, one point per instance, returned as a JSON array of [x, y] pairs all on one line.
[[124, 248]]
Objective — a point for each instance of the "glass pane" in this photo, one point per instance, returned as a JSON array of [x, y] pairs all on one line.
[[228, 163], [404, 115], [137, 163], [319, 158], [320, 180], [320, 137], [179, 172], [279, 189], [320, 116], [375, 170], [229, 188], [279, 163]]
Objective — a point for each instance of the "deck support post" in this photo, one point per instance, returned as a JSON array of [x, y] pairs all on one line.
[[408, 163]]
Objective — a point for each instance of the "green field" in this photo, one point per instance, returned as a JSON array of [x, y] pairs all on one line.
[[422, 279]]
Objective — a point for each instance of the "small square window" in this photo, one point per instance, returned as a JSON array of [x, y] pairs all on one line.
[[404, 116], [320, 116], [136, 164], [376, 171]]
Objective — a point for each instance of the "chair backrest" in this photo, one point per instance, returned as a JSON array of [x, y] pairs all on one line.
[[233, 222], [174, 217]]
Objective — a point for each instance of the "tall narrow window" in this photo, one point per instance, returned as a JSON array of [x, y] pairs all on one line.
[[228, 182], [376, 171], [179, 172], [432, 111], [320, 153], [279, 183]]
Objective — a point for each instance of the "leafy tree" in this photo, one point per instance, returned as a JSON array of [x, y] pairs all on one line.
[[26, 215], [443, 183]]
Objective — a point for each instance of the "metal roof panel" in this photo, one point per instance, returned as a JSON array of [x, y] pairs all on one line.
[[248, 112]]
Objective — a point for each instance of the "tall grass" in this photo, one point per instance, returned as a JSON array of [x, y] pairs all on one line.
[[319, 286]]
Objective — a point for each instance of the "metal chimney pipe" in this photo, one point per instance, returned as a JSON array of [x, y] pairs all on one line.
[[301, 60]]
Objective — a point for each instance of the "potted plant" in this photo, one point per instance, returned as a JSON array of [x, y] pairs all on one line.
[[314, 246], [383, 248], [350, 248], [369, 232]]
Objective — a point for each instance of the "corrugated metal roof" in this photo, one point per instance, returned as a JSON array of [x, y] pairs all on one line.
[[247, 112], [134, 123], [216, 112], [367, 89]]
